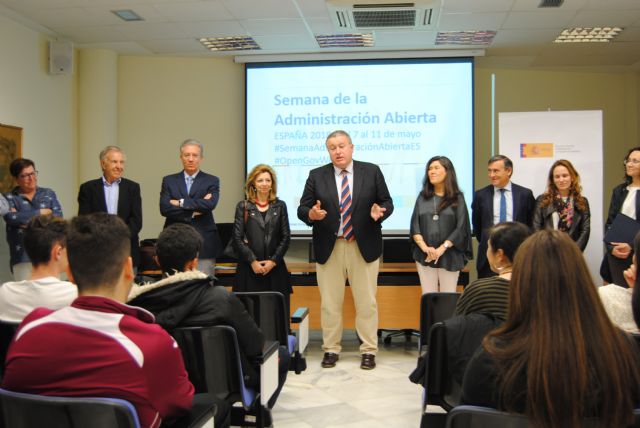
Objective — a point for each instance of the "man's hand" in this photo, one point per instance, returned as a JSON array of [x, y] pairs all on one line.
[[46, 211], [316, 213], [621, 250], [175, 202], [377, 212], [208, 196]]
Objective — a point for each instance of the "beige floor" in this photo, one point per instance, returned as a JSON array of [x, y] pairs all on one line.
[[348, 397]]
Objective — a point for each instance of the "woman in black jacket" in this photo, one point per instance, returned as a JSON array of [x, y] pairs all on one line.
[[562, 206], [623, 201], [261, 236]]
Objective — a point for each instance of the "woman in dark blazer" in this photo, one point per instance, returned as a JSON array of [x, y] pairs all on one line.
[[562, 206], [623, 200], [261, 236]]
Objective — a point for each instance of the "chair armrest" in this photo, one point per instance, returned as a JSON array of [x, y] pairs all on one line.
[[299, 315], [268, 371]]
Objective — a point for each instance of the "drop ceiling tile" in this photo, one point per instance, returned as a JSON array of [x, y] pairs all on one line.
[[173, 46], [194, 11], [405, 39], [284, 43], [532, 5], [545, 19], [138, 31], [471, 21], [125, 48], [466, 6], [274, 26], [92, 34], [313, 8], [211, 29], [248, 9], [594, 18]]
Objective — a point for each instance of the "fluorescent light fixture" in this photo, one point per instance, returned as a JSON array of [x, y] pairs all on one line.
[[477, 38], [235, 43], [127, 15], [588, 35], [345, 40]]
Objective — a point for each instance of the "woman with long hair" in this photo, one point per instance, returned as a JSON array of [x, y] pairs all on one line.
[[261, 236], [557, 358], [562, 205], [623, 201], [440, 228]]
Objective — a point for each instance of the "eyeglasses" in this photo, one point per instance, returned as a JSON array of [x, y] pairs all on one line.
[[33, 174], [631, 161]]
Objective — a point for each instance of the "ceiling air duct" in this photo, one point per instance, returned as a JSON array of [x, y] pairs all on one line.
[[380, 14]]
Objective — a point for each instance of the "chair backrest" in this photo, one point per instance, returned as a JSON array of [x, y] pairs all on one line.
[[21, 410], [7, 330], [441, 389], [483, 417], [267, 308], [212, 358], [435, 307]]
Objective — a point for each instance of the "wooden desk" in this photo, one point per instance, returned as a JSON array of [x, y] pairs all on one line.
[[398, 304]]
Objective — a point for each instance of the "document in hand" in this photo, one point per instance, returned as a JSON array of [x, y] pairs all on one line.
[[623, 229]]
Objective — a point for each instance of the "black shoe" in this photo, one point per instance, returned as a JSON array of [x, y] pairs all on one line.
[[368, 362], [329, 360]]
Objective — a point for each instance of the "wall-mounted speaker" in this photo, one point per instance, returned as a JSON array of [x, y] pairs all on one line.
[[60, 57]]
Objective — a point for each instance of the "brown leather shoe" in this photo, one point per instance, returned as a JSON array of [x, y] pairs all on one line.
[[368, 362], [329, 360]]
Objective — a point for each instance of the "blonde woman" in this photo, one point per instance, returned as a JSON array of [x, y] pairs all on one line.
[[261, 236]]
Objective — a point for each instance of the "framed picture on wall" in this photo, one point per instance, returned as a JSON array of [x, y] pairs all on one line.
[[10, 149]]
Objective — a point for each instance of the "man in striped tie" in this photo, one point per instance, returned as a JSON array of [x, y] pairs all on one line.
[[345, 203]]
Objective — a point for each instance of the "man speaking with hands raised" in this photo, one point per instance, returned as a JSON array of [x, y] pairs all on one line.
[[345, 203]]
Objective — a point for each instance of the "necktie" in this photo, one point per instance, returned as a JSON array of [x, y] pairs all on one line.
[[503, 206], [189, 183], [345, 208]]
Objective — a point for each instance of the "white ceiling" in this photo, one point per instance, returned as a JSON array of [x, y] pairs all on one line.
[[524, 31]]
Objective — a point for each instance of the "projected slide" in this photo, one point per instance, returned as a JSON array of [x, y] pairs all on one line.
[[398, 113]]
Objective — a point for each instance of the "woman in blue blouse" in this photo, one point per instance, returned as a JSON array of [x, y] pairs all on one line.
[[26, 200]]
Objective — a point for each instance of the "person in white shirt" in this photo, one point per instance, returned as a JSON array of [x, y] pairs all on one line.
[[45, 240]]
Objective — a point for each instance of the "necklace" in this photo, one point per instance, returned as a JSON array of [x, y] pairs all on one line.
[[435, 209], [262, 205]]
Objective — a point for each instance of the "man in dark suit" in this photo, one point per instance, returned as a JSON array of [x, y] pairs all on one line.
[[190, 197], [114, 194], [500, 201], [347, 241]]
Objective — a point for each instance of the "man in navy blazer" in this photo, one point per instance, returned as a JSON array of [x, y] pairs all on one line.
[[190, 197], [518, 205], [114, 194], [347, 240]]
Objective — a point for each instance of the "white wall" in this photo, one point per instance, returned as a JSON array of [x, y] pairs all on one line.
[[44, 106]]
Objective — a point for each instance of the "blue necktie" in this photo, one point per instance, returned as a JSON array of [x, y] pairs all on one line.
[[503, 206], [189, 183]]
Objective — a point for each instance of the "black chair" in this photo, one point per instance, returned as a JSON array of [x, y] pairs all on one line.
[[212, 358], [7, 330], [267, 308], [483, 417], [435, 307]]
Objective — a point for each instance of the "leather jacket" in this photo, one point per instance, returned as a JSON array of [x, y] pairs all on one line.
[[579, 230], [261, 238]]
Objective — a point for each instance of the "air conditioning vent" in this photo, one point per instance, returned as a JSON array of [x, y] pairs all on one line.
[[374, 14], [551, 3]]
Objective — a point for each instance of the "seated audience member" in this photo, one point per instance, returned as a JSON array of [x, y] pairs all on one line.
[[490, 295], [45, 241], [186, 297], [617, 299], [98, 346], [558, 358]]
